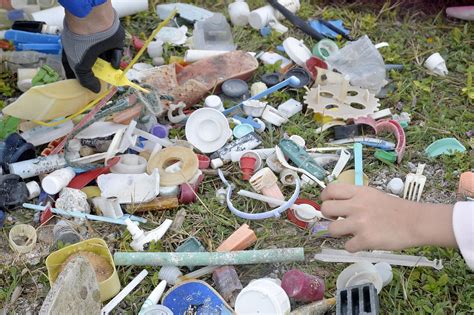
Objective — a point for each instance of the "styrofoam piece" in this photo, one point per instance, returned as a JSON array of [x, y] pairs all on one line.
[[342, 256], [437, 65], [396, 186], [257, 88], [254, 108], [170, 274], [357, 274], [239, 12], [214, 102], [270, 58], [109, 207], [41, 134], [172, 35], [124, 293], [193, 55], [384, 113], [130, 188], [100, 129], [55, 15], [208, 130], [25, 77], [263, 296], [57, 180], [290, 108], [130, 164], [34, 190], [297, 51], [142, 239]]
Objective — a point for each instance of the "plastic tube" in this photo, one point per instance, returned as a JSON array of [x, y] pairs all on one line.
[[123, 294], [154, 297], [216, 259], [55, 15], [259, 216]]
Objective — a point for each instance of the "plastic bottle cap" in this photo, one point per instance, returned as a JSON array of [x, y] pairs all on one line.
[[297, 51], [217, 163], [215, 102], [34, 189]]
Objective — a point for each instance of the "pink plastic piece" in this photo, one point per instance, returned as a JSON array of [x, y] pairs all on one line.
[[303, 287], [189, 191], [368, 121], [394, 127], [463, 13]]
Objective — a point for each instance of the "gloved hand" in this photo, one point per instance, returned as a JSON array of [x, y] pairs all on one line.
[[80, 8], [80, 52]]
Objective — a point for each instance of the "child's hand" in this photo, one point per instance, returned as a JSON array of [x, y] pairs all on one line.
[[379, 221]]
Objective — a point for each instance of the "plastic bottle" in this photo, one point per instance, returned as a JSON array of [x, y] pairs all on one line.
[[57, 180], [213, 34], [13, 60], [303, 287], [227, 283], [35, 27], [239, 12]]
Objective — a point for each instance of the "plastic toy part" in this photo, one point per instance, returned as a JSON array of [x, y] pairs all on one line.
[[107, 309], [360, 299], [265, 181], [448, 146], [141, 239], [263, 296], [208, 130], [436, 65], [342, 256], [414, 184], [22, 238], [301, 158], [259, 216], [341, 101]]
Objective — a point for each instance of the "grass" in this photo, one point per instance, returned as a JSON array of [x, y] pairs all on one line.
[[439, 109]]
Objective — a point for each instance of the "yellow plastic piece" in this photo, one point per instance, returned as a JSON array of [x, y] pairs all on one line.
[[91, 191], [104, 71], [348, 177], [108, 288], [51, 101], [318, 117], [177, 59]]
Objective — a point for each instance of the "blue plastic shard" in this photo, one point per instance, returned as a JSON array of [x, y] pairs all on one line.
[[359, 168], [447, 146], [324, 30], [195, 297], [186, 11]]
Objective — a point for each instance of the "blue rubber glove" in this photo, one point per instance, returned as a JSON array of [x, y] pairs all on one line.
[[81, 8]]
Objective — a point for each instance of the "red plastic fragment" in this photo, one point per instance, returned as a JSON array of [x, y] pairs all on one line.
[[82, 180]]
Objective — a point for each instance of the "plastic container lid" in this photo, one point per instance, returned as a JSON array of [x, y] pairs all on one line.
[[215, 102], [359, 273], [297, 51], [208, 130], [263, 296], [242, 130]]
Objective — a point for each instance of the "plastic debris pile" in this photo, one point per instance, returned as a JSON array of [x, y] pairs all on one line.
[[113, 157]]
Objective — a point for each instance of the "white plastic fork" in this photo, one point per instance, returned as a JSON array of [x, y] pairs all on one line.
[[414, 184]]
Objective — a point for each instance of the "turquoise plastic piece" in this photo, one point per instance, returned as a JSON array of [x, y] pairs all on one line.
[[447, 146], [359, 169], [301, 158], [191, 245], [242, 130]]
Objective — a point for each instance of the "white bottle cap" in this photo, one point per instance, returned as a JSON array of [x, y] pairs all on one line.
[[34, 189], [54, 182], [215, 102], [216, 163]]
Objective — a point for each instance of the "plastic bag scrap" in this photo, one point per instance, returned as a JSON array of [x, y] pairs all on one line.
[[362, 62]]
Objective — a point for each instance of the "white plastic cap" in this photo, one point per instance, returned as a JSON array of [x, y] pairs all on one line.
[[50, 29], [170, 274], [213, 101], [216, 163], [34, 189]]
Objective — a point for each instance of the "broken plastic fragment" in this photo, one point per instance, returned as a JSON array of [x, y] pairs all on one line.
[[447, 146]]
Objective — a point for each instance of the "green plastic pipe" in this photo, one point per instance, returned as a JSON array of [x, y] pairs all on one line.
[[210, 259]]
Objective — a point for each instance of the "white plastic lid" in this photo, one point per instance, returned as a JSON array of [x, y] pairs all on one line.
[[297, 51], [213, 101], [262, 296], [306, 212], [359, 273]]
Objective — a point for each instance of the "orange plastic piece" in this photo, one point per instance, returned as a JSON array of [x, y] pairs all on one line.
[[128, 115], [241, 239], [466, 185]]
